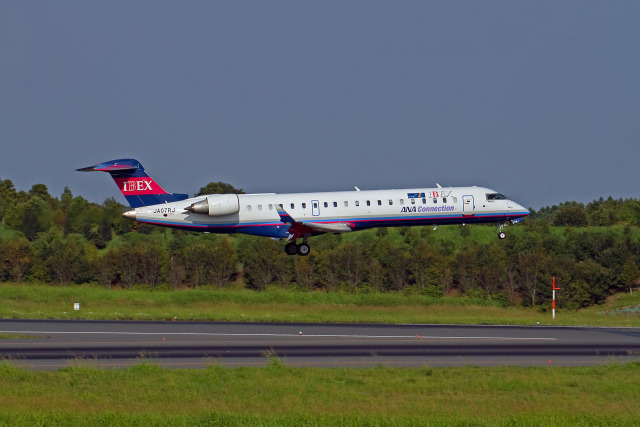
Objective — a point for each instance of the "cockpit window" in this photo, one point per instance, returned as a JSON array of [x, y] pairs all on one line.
[[496, 196]]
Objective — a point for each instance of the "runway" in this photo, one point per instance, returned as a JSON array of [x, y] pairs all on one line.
[[52, 344]]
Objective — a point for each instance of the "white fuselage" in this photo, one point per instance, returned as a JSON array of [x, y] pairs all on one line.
[[257, 213]]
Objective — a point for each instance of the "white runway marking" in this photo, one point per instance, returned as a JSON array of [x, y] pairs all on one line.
[[213, 334]]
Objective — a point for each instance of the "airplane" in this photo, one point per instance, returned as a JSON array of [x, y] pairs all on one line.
[[302, 215]]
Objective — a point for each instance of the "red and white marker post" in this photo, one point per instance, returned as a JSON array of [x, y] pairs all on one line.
[[553, 307]]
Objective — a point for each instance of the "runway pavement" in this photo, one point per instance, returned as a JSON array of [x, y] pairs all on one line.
[[52, 344]]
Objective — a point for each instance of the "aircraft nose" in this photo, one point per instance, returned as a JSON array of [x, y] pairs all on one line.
[[521, 209], [130, 215]]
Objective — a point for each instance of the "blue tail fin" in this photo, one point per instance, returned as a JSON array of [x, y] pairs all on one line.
[[137, 187]]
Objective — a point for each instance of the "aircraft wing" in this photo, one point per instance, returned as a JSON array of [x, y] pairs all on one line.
[[335, 227], [301, 228]]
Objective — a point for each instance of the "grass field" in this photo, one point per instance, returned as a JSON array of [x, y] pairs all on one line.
[[52, 302], [278, 395]]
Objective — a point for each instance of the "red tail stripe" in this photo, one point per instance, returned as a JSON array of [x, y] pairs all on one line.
[[135, 186]]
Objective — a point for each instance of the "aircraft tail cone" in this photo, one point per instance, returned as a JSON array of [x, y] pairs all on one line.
[[130, 215]]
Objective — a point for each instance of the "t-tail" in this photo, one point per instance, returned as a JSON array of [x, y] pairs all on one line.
[[137, 187]]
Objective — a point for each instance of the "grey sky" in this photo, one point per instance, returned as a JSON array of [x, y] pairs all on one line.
[[538, 100]]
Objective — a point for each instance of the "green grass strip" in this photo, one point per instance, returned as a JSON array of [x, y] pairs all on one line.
[[279, 395], [24, 301]]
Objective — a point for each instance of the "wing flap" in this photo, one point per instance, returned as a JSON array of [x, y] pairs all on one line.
[[301, 228], [334, 227]]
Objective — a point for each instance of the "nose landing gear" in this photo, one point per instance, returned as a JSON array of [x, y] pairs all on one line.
[[501, 233]]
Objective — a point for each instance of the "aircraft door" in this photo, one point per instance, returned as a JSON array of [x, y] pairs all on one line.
[[468, 206], [315, 208]]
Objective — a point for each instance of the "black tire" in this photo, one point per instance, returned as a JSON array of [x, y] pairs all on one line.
[[291, 248], [303, 249], [502, 235]]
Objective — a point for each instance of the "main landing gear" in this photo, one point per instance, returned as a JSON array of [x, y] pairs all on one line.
[[302, 249]]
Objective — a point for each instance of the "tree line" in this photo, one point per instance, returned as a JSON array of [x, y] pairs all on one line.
[[593, 250]]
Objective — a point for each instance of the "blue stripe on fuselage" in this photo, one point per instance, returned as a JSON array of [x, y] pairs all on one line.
[[279, 230]]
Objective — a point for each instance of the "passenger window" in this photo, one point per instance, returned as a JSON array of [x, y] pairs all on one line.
[[402, 201], [455, 200], [259, 207], [368, 202], [424, 201], [357, 203], [444, 200], [281, 206], [326, 205], [379, 202], [335, 204], [346, 204], [435, 200], [390, 202], [304, 206], [270, 207], [292, 206], [413, 201], [248, 207]]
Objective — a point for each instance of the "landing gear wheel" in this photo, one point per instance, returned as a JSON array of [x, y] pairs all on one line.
[[502, 235], [303, 249], [291, 248]]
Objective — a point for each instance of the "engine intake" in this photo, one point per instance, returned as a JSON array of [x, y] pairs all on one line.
[[216, 205]]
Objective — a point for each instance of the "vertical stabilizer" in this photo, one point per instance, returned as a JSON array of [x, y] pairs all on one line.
[[137, 187]]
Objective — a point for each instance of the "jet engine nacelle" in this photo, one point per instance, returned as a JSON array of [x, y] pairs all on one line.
[[217, 205]]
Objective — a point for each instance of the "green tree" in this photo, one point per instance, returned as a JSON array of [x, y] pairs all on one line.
[[17, 254], [195, 264], [152, 256], [533, 269], [492, 265], [105, 268], [349, 261], [422, 264], [327, 269], [580, 295], [65, 199], [219, 188], [36, 217], [629, 274], [305, 268], [113, 210], [128, 259], [571, 214], [394, 260], [209, 259], [41, 191], [176, 272], [7, 197], [467, 266], [67, 257], [262, 262], [219, 259], [598, 277], [104, 230]]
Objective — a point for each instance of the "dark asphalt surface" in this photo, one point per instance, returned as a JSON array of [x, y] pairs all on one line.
[[51, 344]]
